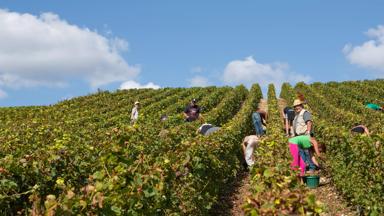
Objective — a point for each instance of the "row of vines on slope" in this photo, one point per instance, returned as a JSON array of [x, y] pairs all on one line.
[[40, 163], [354, 161], [182, 179], [276, 189]]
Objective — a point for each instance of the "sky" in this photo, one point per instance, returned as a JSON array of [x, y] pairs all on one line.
[[56, 50]]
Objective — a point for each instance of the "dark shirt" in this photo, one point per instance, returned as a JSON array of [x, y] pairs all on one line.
[[358, 129], [192, 112], [289, 113]]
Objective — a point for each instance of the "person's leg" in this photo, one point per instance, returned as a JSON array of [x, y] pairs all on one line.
[[313, 159], [254, 121], [293, 148], [291, 128], [308, 160], [297, 160], [304, 156], [257, 124], [259, 130]]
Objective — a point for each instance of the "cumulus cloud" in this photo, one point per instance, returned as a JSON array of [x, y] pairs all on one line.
[[135, 85], [199, 81], [248, 71], [371, 53], [46, 50]]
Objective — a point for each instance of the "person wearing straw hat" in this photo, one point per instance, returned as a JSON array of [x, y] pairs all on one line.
[[302, 123], [135, 112]]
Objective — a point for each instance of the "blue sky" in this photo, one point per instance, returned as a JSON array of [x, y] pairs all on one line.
[[53, 50]]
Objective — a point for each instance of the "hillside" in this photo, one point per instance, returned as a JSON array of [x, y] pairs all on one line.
[[82, 156]]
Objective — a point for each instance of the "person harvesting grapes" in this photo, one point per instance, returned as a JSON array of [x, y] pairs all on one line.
[[192, 111], [302, 149], [206, 129], [135, 112], [259, 118], [248, 145], [373, 106]]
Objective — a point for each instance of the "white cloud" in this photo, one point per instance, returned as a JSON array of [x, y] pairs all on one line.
[[135, 85], [199, 81], [48, 51], [371, 53], [248, 71]]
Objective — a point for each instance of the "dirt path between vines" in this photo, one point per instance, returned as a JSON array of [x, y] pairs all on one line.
[[232, 199], [326, 193]]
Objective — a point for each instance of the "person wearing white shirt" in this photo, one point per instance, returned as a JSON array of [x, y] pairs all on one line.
[[249, 144], [135, 112]]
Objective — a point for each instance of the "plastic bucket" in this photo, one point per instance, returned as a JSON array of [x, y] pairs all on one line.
[[312, 181]]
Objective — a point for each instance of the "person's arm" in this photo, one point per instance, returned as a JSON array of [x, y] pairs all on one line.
[[308, 121], [286, 124], [201, 118], [309, 127], [185, 113], [243, 147], [316, 147], [366, 131], [264, 120], [313, 158]]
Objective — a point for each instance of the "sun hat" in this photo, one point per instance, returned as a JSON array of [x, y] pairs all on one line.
[[297, 102], [137, 102]]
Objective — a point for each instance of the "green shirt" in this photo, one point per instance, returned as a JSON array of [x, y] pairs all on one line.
[[373, 106], [302, 141]]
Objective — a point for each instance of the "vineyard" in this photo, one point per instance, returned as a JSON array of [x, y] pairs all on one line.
[[83, 157]]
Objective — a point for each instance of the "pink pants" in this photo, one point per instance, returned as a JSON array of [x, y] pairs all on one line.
[[297, 160]]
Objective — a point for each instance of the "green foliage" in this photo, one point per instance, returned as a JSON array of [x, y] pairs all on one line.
[[354, 161], [276, 190], [68, 160], [83, 157]]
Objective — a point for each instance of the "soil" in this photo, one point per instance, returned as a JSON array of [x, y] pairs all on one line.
[[231, 200], [335, 205]]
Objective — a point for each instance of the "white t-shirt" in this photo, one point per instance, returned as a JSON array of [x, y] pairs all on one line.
[[134, 114], [251, 142]]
